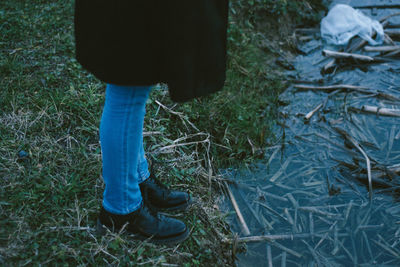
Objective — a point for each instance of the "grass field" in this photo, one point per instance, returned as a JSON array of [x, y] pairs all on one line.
[[50, 162]]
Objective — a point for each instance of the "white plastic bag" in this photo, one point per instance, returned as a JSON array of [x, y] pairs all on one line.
[[344, 22]]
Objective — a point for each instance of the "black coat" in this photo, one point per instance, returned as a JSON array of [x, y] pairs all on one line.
[[144, 42]]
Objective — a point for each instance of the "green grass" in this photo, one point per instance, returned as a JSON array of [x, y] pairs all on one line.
[[50, 107]]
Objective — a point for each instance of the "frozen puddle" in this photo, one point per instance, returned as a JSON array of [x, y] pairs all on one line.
[[308, 203]]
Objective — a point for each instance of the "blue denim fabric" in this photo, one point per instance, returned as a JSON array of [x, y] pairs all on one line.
[[121, 137]]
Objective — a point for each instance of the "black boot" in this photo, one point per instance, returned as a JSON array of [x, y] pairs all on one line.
[[159, 197], [144, 223]]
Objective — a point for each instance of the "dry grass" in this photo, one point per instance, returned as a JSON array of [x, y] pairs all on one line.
[[50, 161]]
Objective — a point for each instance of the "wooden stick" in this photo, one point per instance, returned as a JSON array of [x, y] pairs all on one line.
[[335, 241], [243, 224], [377, 6], [307, 30], [393, 53], [367, 244], [290, 219], [179, 114], [293, 200], [312, 112], [333, 87], [285, 249], [271, 210], [318, 211], [324, 236], [281, 170], [387, 248], [360, 89], [313, 253], [370, 227], [151, 133], [334, 54], [330, 64], [381, 111], [182, 144], [250, 239], [269, 256], [358, 44], [394, 168], [347, 213], [356, 145], [283, 259], [311, 220], [387, 40], [387, 48]]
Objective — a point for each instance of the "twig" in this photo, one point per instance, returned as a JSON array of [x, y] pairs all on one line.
[[243, 224], [370, 227], [394, 168], [377, 6], [313, 253], [333, 87], [285, 249], [387, 248], [293, 200], [311, 219], [308, 116], [250, 208], [271, 210], [330, 64], [183, 144], [387, 48], [257, 190], [324, 236], [347, 213], [389, 41], [307, 30], [360, 89], [290, 219], [393, 53], [320, 212], [283, 260], [179, 114], [381, 111], [312, 112], [150, 133], [367, 244], [334, 54], [281, 170], [269, 256], [355, 143], [250, 239]]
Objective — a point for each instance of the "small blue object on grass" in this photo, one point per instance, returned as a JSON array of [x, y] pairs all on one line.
[[22, 154]]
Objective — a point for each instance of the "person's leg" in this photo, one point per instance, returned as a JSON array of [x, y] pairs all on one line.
[[155, 194], [121, 136], [143, 167], [121, 133]]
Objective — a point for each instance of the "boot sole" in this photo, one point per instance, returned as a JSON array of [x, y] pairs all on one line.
[[101, 230]]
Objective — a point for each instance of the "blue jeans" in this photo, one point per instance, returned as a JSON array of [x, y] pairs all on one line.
[[121, 137]]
